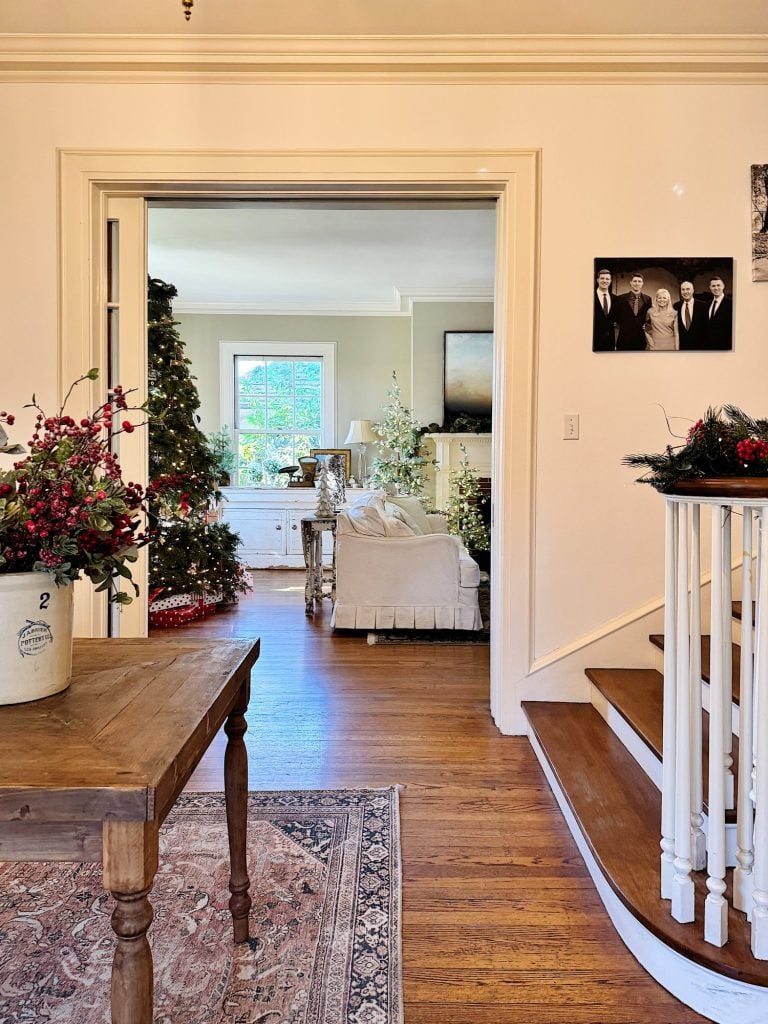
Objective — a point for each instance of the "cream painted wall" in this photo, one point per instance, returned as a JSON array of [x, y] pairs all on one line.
[[626, 169], [397, 17], [368, 349], [430, 321]]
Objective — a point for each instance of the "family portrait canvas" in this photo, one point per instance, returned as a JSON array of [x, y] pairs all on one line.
[[759, 222], [663, 304], [468, 374]]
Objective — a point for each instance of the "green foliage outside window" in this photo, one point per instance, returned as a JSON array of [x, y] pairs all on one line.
[[279, 415]]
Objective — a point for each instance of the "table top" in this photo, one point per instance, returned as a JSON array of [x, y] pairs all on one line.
[[124, 738]]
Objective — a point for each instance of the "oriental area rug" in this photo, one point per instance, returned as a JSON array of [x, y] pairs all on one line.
[[325, 920]]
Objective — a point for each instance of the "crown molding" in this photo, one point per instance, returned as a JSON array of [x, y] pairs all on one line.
[[471, 58], [401, 304]]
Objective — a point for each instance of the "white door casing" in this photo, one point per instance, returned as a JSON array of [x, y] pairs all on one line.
[[90, 180]]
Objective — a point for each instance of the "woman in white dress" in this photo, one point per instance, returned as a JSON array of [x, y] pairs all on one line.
[[661, 324]]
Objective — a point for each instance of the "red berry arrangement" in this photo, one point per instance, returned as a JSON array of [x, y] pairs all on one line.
[[64, 509]]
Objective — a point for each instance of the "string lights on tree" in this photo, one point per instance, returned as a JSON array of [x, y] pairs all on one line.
[[193, 565], [405, 461]]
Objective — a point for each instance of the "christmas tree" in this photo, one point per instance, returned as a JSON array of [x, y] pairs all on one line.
[[401, 440], [193, 557], [465, 502]]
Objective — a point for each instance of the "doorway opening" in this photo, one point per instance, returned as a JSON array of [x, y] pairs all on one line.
[[299, 319]]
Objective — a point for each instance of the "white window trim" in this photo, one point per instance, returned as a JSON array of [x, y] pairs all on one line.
[[326, 350]]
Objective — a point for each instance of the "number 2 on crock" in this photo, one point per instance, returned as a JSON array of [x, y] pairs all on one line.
[[44, 599]]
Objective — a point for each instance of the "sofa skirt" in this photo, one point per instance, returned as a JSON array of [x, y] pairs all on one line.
[[461, 616]]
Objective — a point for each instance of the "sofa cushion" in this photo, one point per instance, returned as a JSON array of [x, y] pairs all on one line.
[[413, 512]]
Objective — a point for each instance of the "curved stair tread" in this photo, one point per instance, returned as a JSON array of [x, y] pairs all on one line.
[[618, 809], [638, 696], [657, 639]]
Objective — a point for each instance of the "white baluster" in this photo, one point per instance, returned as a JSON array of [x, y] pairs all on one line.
[[726, 656], [760, 867], [742, 875], [715, 907], [758, 654], [698, 839], [682, 887], [668, 729]]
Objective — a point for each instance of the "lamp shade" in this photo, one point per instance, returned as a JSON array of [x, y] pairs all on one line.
[[360, 432]]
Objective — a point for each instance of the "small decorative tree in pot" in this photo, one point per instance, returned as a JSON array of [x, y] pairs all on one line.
[[65, 512], [400, 434]]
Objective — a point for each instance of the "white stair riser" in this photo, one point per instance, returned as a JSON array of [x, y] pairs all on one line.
[[659, 666]]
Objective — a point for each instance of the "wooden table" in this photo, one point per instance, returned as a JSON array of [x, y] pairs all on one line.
[[90, 774], [312, 529]]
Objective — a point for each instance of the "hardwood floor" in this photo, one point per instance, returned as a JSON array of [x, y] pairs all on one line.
[[501, 922]]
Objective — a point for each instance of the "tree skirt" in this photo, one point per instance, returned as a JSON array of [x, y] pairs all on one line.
[[325, 921]]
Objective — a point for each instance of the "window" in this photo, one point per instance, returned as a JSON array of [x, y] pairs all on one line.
[[280, 405]]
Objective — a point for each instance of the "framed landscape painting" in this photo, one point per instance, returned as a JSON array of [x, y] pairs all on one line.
[[468, 386]]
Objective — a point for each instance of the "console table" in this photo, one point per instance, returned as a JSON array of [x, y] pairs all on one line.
[[90, 775]]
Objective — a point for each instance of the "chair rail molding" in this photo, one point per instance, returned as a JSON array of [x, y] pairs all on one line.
[[471, 58], [511, 178]]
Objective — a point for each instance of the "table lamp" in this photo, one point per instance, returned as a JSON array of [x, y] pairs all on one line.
[[361, 433]]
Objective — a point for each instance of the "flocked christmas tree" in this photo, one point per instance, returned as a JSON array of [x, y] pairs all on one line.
[[324, 507], [464, 507], [400, 433], [192, 555]]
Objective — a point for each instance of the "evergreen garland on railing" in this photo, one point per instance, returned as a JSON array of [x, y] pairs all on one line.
[[726, 442]]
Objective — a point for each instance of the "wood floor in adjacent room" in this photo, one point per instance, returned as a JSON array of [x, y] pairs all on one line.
[[501, 922]]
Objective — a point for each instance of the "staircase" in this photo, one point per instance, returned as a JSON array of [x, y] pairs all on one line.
[[603, 762]]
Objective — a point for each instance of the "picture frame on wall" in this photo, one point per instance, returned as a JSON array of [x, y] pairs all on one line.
[[759, 214], [662, 304], [468, 376], [320, 453]]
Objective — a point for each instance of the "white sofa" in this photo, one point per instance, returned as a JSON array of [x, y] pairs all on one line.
[[398, 568]]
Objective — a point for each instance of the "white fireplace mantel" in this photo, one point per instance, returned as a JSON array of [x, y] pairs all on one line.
[[447, 451]]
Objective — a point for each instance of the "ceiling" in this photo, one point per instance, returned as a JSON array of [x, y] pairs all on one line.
[[321, 257]]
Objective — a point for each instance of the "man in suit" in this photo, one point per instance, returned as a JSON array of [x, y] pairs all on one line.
[[629, 312], [719, 317], [603, 329], [691, 320]]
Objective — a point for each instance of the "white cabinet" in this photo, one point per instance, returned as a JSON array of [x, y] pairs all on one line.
[[259, 530], [268, 521]]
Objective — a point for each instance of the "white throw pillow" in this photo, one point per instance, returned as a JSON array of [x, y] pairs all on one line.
[[366, 520], [395, 527], [366, 499], [413, 512]]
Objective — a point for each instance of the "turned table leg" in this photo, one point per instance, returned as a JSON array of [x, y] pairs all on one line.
[[130, 863], [236, 797]]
